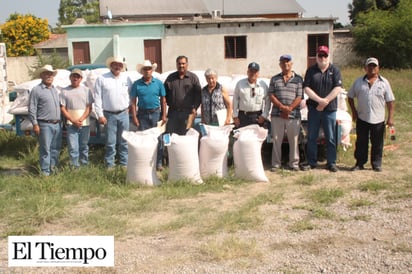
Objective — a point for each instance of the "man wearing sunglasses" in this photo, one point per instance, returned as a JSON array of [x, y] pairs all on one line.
[[323, 83], [250, 99]]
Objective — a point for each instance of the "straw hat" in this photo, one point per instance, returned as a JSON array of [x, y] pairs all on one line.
[[45, 68], [116, 59], [146, 64]]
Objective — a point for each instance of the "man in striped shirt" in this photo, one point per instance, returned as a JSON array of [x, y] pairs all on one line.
[[286, 93]]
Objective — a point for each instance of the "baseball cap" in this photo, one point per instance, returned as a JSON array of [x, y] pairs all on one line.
[[285, 57], [324, 49], [77, 71], [372, 60], [254, 66]]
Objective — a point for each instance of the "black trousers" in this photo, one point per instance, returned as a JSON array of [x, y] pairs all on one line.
[[365, 132]]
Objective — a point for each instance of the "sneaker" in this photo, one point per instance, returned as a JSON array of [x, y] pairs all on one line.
[[357, 168], [333, 168], [294, 168]]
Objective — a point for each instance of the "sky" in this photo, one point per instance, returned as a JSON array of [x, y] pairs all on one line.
[[49, 9]]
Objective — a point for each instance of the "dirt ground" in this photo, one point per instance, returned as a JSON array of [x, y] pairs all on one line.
[[374, 238]]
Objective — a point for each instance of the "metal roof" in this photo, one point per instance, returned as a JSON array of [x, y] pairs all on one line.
[[139, 8], [255, 7], [54, 41], [153, 7]]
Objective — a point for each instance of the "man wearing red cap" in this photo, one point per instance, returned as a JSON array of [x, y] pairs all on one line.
[[323, 83]]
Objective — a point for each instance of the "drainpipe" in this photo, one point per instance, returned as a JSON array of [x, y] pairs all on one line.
[[116, 45]]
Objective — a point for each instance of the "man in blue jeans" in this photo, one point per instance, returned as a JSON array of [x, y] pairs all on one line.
[[112, 107], [76, 104], [149, 95], [323, 83], [44, 113]]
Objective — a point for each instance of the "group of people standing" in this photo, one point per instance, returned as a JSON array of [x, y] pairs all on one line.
[[175, 103]]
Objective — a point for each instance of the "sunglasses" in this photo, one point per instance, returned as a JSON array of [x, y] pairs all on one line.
[[323, 55], [253, 93]]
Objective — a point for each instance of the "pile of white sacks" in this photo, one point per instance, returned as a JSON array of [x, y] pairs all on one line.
[[185, 159]]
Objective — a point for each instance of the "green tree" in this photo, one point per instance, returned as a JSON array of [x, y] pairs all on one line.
[[21, 32], [54, 59], [70, 10], [362, 6], [386, 34]]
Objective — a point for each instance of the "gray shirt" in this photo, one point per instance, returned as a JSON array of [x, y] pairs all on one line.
[[76, 98], [371, 100], [44, 104]]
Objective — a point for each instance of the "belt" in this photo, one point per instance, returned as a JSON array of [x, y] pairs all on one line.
[[247, 113], [187, 110], [148, 110], [49, 121], [116, 112]]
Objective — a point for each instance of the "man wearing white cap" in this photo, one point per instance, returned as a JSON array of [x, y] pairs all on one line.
[[148, 94], [44, 113], [373, 92], [76, 104], [112, 107]]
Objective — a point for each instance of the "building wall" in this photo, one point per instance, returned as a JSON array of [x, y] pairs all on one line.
[[18, 68], [343, 53], [125, 40], [203, 42], [204, 45]]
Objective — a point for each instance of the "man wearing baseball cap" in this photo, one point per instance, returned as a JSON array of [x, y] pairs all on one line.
[[373, 92], [323, 83], [76, 104], [250, 99], [286, 93]]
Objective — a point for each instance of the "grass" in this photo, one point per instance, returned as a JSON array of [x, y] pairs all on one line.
[[94, 201], [229, 248]]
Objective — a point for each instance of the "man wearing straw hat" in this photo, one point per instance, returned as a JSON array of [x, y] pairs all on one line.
[[112, 108], [44, 113], [148, 94]]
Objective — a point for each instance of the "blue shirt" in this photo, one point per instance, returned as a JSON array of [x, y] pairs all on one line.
[[148, 94]]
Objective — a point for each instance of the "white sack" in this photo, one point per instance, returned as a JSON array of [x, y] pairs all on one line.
[[141, 166], [247, 153], [345, 121], [213, 151], [26, 125], [184, 157], [20, 106]]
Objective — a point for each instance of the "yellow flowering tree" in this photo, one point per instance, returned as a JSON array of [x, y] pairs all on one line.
[[21, 32]]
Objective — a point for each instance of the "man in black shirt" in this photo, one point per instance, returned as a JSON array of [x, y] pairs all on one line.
[[182, 97], [323, 83]]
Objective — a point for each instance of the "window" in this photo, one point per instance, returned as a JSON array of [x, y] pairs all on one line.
[[235, 47], [314, 41]]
